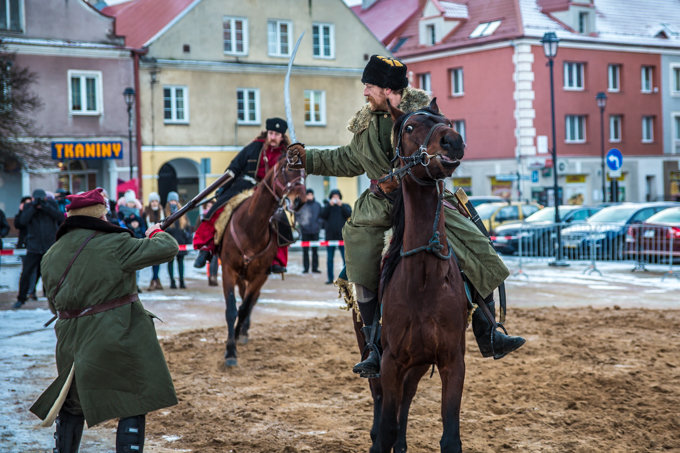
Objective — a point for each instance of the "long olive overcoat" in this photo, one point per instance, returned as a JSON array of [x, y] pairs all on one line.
[[370, 152], [117, 362]]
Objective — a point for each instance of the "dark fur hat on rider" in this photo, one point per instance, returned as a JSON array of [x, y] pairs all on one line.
[[386, 73]]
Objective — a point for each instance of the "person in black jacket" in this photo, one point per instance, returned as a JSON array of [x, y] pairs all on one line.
[[334, 215], [247, 169], [181, 231], [310, 225], [23, 231], [42, 218]]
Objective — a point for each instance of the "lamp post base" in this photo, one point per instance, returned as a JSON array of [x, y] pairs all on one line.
[[559, 263]]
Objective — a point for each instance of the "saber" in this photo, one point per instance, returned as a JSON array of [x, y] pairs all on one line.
[[286, 91], [194, 201]]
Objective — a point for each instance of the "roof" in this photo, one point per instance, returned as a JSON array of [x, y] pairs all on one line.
[[386, 18], [139, 21], [626, 22], [454, 10]]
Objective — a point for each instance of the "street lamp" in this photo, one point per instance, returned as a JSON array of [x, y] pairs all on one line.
[[602, 103], [129, 95], [550, 42]]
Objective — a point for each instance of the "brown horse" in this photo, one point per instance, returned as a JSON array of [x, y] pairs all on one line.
[[423, 294], [249, 245]]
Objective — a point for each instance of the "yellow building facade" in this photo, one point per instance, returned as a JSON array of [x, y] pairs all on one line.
[[212, 77]]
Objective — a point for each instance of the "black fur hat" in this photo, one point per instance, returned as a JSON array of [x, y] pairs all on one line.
[[385, 72], [277, 125]]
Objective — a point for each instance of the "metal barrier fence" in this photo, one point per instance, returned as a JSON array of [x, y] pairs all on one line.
[[592, 242]]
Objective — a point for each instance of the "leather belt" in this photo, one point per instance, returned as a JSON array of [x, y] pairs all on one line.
[[105, 306]]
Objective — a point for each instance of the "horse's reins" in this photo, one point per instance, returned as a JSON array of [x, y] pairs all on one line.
[[285, 191]]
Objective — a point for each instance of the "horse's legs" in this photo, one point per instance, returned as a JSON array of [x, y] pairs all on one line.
[[453, 375], [243, 338], [231, 313], [392, 380], [413, 377], [377, 393], [250, 299]]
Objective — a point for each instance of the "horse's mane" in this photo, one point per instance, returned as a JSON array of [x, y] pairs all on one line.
[[393, 256]]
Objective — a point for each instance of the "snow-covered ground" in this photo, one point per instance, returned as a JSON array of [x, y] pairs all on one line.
[[27, 349]]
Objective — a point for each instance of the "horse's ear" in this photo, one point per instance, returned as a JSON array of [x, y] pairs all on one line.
[[433, 105], [395, 112]]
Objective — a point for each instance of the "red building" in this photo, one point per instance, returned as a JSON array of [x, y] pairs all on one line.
[[484, 62]]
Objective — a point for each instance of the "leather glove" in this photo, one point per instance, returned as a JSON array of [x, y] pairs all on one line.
[[296, 156], [390, 185]]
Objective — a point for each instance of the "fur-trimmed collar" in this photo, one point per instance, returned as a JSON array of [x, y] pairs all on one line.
[[89, 223], [412, 100]]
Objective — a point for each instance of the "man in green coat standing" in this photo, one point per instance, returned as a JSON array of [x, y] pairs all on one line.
[[371, 152], [109, 360]]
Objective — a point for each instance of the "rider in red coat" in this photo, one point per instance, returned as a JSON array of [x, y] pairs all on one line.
[[247, 169]]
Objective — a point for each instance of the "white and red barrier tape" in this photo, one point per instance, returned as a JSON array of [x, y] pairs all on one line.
[[297, 245]]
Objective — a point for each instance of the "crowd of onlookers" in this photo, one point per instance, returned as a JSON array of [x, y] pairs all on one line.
[[41, 214]]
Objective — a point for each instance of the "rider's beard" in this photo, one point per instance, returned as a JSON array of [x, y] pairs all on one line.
[[272, 144], [377, 105]]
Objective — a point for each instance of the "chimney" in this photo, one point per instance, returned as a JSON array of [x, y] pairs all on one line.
[[365, 4]]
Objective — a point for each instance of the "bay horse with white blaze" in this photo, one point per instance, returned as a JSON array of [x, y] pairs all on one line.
[[423, 294], [249, 245]]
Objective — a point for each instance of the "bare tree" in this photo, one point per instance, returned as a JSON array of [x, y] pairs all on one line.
[[20, 143]]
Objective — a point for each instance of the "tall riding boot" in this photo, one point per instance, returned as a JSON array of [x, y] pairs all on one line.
[[500, 344], [202, 258], [68, 433], [130, 434], [370, 367]]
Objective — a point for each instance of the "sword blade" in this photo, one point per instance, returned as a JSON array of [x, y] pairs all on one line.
[[286, 91]]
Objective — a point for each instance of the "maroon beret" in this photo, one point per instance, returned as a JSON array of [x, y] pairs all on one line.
[[85, 199]]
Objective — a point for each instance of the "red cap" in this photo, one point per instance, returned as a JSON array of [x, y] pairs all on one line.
[[85, 199]]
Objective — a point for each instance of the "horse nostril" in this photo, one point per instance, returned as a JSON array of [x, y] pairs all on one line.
[[446, 142]]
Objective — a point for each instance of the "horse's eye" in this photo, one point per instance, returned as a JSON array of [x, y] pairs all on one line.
[[409, 129]]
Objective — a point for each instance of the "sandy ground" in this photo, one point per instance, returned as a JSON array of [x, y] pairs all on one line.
[[591, 377]]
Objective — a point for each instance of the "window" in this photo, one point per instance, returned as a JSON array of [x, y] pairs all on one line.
[[248, 106], [646, 79], [278, 36], [85, 92], [575, 129], [582, 22], [615, 128], [647, 129], [459, 126], [424, 82], [485, 29], [315, 108], [573, 76], [507, 213], [614, 78], [10, 15], [675, 81], [175, 104], [431, 37], [235, 36], [677, 128], [398, 45], [457, 82], [323, 38], [578, 216], [528, 209]]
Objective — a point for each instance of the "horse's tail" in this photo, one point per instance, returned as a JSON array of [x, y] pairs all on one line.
[[393, 256]]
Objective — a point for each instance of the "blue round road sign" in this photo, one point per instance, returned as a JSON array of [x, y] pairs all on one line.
[[614, 159]]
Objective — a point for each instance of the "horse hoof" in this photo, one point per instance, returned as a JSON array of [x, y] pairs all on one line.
[[243, 339], [231, 361]]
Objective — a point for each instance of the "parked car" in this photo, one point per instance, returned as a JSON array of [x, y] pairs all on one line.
[[495, 214], [481, 199], [538, 231], [604, 234], [655, 239]]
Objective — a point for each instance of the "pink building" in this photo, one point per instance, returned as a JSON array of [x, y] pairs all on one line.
[[484, 62], [83, 69]]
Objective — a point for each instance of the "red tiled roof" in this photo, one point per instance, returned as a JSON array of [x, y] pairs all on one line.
[[113, 10], [140, 20], [549, 6], [479, 11], [386, 18]]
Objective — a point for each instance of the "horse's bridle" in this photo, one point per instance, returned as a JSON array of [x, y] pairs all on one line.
[[285, 189]]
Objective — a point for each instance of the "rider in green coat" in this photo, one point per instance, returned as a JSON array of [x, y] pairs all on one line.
[[371, 152], [109, 360]]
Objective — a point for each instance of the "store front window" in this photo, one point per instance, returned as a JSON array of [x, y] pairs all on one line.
[[76, 177]]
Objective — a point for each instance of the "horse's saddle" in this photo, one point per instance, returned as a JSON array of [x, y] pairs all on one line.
[[229, 208]]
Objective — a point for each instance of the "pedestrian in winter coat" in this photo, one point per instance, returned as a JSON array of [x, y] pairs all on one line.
[[310, 225], [153, 213], [109, 361], [135, 224], [181, 231], [42, 218], [334, 215], [111, 217], [23, 231]]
